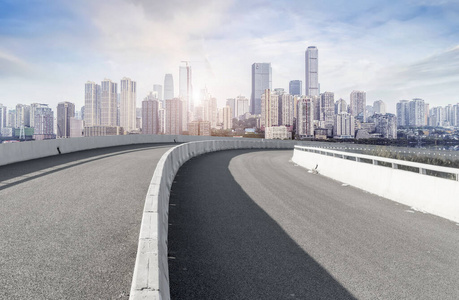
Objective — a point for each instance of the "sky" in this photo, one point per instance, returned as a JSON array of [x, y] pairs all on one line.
[[393, 49]]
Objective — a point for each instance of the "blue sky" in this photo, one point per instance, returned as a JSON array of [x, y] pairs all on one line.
[[391, 49]]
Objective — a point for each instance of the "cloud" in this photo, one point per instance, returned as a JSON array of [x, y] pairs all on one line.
[[12, 66]]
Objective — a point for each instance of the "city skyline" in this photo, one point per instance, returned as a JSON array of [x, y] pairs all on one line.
[[404, 51]]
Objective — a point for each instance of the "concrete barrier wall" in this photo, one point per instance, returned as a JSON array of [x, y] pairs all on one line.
[[431, 194], [151, 272], [16, 152]]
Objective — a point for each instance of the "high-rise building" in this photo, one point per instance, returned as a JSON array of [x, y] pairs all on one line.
[[76, 128], [316, 103], [417, 113], [286, 112], [91, 104], [186, 93], [150, 117], [43, 122], [340, 106], [344, 126], [159, 91], [295, 87], [269, 109], [227, 118], [305, 118], [312, 71], [168, 87], [213, 112], [436, 116], [358, 105], [379, 107], [231, 102], [386, 125], [22, 115], [162, 120], [128, 104], [174, 116], [65, 111], [11, 119], [327, 108], [242, 106], [108, 103], [261, 81], [403, 113], [3, 116]]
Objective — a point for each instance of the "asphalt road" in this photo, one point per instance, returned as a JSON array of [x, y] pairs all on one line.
[[252, 225], [69, 224]]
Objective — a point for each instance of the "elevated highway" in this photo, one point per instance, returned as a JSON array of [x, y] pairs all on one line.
[[69, 224], [253, 225]]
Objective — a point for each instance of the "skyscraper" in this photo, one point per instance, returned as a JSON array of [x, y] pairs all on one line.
[[168, 87], [65, 111], [269, 109], [185, 93], [340, 106], [108, 103], [379, 107], [286, 113], [312, 71], [91, 104], [127, 104], [327, 108], [242, 106], [417, 112], [174, 116], [227, 118], [150, 116], [261, 80], [231, 102], [295, 87], [305, 118], [159, 91], [358, 105], [43, 122], [403, 113], [3, 115], [22, 115], [344, 126]]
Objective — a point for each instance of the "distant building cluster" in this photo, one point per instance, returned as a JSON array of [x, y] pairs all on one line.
[[302, 112]]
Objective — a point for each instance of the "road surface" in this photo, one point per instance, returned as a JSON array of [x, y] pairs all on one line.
[[69, 224], [253, 225]]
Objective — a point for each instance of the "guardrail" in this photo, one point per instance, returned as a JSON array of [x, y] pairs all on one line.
[[425, 169], [151, 273], [425, 187]]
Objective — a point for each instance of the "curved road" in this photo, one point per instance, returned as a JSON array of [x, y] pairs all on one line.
[[253, 225], [69, 224]]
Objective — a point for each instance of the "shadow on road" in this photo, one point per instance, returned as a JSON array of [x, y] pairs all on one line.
[[222, 245], [24, 171]]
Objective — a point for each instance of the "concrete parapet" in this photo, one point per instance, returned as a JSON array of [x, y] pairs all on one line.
[[427, 188], [151, 273]]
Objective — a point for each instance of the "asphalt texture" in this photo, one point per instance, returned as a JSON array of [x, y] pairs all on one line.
[[253, 225], [69, 224]]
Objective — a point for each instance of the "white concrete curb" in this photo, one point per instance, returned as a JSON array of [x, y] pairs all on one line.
[[151, 272], [419, 190]]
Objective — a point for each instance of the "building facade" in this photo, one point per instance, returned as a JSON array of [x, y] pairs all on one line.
[[65, 111], [312, 71], [168, 87], [357, 106], [91, 104], [128, 94], [174, 116], [295, 87], [261, 81]]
